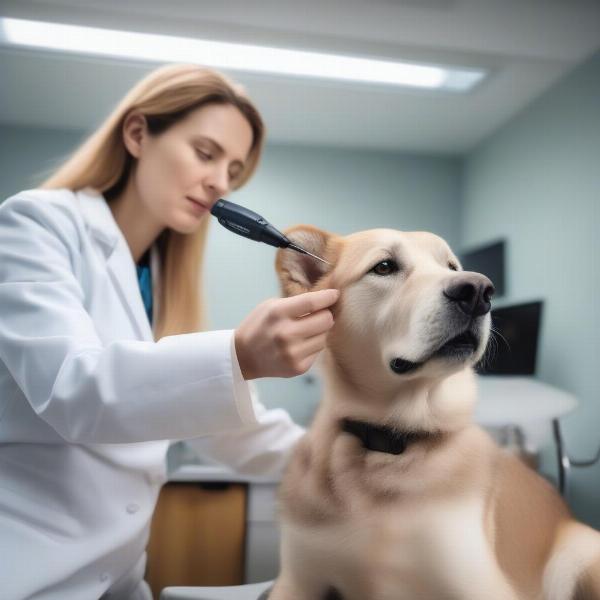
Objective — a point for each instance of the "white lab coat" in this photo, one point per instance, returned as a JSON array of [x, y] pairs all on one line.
[[89, 403]]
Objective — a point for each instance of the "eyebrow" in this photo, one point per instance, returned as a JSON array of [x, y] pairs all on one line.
[[391, 250], [218, 147]]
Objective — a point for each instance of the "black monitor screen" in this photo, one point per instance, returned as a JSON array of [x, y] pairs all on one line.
[[514, 349], [488, 260]]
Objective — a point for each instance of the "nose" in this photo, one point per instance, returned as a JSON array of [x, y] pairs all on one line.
[[472, 293], [218, 181]]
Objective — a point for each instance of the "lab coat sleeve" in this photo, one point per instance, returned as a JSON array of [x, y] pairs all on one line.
[[260, 450], [125, 391]]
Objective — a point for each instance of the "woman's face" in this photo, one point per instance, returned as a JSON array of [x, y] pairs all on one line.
[[183, 171]]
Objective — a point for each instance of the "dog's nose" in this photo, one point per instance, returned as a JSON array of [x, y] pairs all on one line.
[[472, 292]]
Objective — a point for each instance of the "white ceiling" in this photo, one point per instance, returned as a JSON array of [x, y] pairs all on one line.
[[527, 44]]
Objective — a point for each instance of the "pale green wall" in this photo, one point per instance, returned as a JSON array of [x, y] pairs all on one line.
[[536, 182], [27, 154]]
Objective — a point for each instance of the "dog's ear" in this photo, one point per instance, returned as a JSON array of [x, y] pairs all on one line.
[[299, 273]]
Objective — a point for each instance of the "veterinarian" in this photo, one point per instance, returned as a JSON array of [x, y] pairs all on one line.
[[102, 361]]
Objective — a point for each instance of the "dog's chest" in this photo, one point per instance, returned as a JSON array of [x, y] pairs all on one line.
[[426, 551]]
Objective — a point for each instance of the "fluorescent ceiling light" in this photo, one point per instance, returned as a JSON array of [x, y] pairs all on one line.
[[237, 57]]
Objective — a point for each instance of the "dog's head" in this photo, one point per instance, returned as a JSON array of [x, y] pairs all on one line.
[[407, 311]]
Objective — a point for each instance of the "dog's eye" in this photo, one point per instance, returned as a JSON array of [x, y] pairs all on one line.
[[385, 267], [452, 266]]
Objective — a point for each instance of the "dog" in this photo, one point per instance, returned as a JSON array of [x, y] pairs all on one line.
[[394, 493]]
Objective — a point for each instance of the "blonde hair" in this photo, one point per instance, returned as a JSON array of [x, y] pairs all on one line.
[[102, 162]]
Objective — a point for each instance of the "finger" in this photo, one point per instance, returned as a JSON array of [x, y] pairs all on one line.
[[305, 364], [311, 346], [309, 302], [311, 325]]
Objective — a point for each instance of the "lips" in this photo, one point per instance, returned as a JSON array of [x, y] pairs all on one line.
[[457, 348], [197, 202], [197, 207]]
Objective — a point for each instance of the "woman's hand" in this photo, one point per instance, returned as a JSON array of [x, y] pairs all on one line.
[[281, 337]]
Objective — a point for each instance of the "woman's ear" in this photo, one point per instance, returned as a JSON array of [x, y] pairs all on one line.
[[299, 273], [134, 129]]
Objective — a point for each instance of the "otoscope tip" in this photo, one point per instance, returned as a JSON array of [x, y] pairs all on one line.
[[303, 251]]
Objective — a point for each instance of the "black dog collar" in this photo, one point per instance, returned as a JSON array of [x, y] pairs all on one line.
[[381, 439]]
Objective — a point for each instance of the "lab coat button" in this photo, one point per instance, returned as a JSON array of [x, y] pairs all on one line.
[[104, 577], [132, 508]]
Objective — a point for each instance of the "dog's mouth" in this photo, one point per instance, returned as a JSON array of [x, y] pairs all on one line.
[[456, 349], [459, 347]]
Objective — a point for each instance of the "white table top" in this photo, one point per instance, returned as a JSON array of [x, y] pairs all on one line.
[[519, 400]]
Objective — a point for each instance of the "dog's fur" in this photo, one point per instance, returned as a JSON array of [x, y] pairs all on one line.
[[454, 516]]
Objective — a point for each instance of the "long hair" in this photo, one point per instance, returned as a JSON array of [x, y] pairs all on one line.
[[103, 163]]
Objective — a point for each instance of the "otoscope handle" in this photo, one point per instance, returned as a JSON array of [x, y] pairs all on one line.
[[246, 223]]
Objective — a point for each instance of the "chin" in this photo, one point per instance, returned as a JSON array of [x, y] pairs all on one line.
[[188, 224]]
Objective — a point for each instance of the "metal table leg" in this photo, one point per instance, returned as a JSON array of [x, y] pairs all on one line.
[[564, 462]]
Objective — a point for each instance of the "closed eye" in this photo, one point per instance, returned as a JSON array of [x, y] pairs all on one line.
[[203, 154], [385, 267], [453, 267]]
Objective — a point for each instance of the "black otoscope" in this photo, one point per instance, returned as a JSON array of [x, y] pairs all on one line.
[[244, 222]]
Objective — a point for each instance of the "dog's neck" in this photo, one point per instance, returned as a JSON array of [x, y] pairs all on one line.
[[436, 405]]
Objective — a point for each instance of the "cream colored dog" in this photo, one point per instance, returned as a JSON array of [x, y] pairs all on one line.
[[394, 494]]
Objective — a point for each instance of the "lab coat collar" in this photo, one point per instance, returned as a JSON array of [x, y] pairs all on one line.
[[120, 263], [99, 219]]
